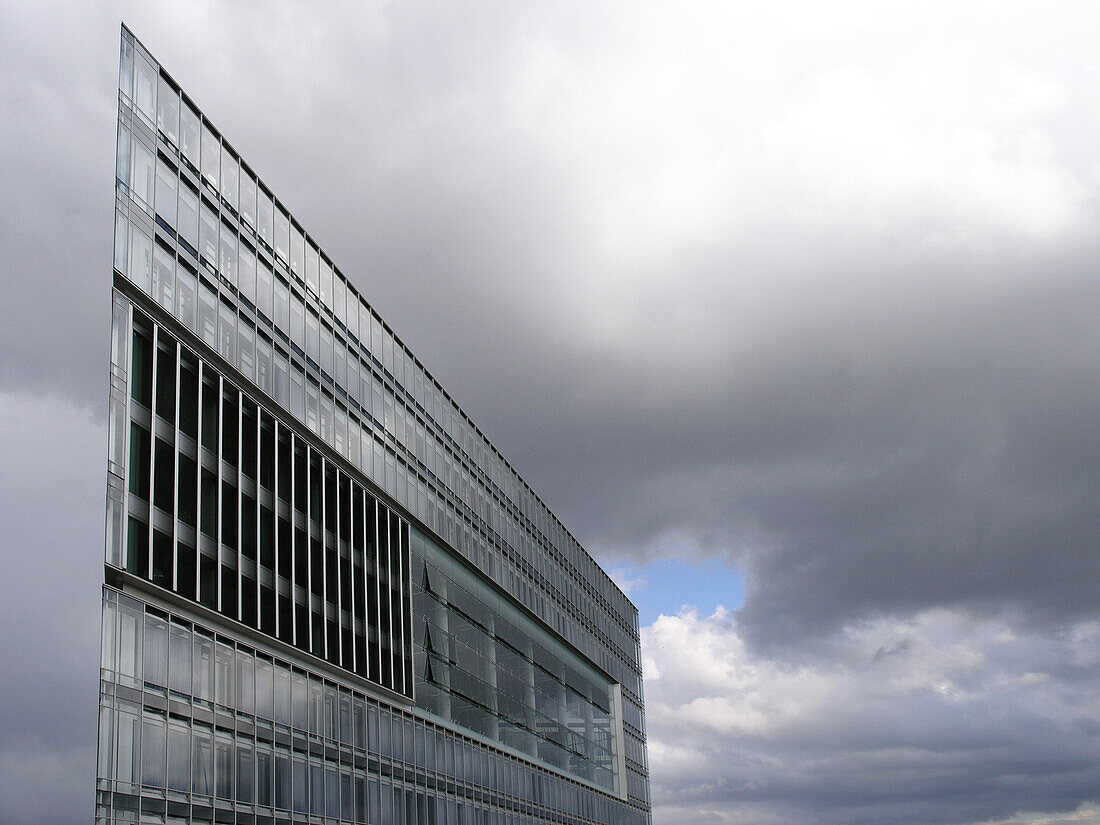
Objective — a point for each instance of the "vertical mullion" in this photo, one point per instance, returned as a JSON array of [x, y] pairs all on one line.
[[389, 588], [309, 549], [124, 538], [324, 558], [378, 508], [351, 566], [293, 575], [152, 449], [401, 599], [259, 515], [396, 634], [339, 591], [221, 504], [198, 488], [176, 477], [240, 503], [352, 613], [406, 601], [366, 578], [275, 527]]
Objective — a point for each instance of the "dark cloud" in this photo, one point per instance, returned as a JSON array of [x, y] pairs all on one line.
[[809, 288], [51, 519]]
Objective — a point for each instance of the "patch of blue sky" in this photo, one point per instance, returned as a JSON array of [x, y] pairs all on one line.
[[669, 585]]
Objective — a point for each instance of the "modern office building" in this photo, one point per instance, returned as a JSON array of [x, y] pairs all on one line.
[[327, 597]]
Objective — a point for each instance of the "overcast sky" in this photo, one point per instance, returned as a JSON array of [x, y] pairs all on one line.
[[805, 292]]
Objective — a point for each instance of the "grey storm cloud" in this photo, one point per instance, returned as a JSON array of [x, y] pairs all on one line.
[[809, 288]]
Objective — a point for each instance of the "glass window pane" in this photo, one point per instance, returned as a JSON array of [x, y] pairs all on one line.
[[122, 155], [202, 761], [311, 268], [353, 313], [227, 335], [230, 176], [202, 673], [326, 284], [264, 688], [282, 233], [297, 253], [179, 757], [130, 632], [338, 298], [248, 197], [164, 280], [264, 216], [126, 66], [190, 131], [246, 775], [208, 314], [141, 172], [179, 659], [282, 306], [246, 682], [265, 772], [168, 111], [187, 224], [225, 675], [223, 765], [228, 260], [141, 259], [246, 280], [166, 193], [264, 300], [208, 235], [153, 753], [185, 297], [156, 651], [145, 85], [211, 156]]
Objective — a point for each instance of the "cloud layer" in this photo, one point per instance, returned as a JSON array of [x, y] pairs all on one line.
[[812, 289], [886, 721]]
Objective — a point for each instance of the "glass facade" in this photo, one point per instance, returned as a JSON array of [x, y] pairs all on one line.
[[299, 518]]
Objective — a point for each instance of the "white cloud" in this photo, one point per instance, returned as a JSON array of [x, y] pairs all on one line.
[[962, 718]]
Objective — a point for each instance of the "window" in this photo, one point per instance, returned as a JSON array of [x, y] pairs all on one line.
[[246, 280], [229, 177], [166, 192], [311, 267], [168, 102], [145, 85], [152, 751], [228, 260], [282, 233], [211, 156], [142, 172], [141, 259], [297, 252], [164, 280], [208, 235], [179, 753], [190, 130], [185, 297], [248, 197], [264, 216], [264, 300], [202, 761], [187, 219]]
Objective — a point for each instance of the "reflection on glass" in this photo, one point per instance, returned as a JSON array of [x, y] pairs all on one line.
[[190, 131], [211, 156], [168, 101]]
